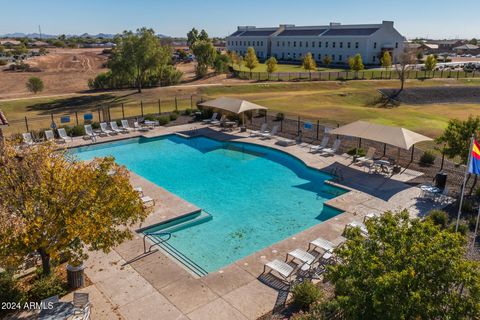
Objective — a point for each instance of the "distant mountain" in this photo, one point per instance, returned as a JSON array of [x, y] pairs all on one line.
[[49, 36]]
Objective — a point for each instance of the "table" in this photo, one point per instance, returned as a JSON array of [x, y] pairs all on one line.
[[430, 191], [384, 165], [60, 311]]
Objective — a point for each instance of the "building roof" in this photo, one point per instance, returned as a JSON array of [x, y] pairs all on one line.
[[253, 32], [3, 119], [10, 41], [301, 32], [350, 31], [467, 46], [445, 42]]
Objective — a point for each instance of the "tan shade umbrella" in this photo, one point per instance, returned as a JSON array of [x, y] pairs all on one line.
[[233, 105], [394, 136]]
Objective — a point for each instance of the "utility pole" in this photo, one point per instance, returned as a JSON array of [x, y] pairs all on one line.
[[40, 32]]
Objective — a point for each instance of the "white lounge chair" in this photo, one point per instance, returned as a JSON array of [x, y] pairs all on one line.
[[27, 138], [213, 118], [303, 256], [263, 129], [321, 146], [368, 158], [151, 124], [147, 200], [284, 142], [283, 269], [139, 190], [49, 136], [360, 225], [223, 118], [269, 135], [114, 126], [63, 134], [89, 132], [105, 130], [331, 151], [371, 215], [126, 126], [139, 127], [321, 243]]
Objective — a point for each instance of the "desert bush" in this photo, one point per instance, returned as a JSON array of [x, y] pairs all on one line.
[[187, 112], [75, 131], [439, 218], [163, 120], [305, 294], [360, 152], [44, 287], [427, 158], [173, 116]]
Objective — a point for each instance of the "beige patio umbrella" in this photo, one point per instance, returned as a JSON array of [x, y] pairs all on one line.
[[233, 105]]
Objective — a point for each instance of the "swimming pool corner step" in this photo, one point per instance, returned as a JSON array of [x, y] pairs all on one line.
[[191, 220]]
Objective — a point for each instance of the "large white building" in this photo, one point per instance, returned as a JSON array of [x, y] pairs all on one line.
[[290, 42]]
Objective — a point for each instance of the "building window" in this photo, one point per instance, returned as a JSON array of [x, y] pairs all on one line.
[[374, 58], [319, 44], [341, 44], [374, 45], [294, 55], [333, 44], [319, 56], [283, 43], [326, 44], [333, 57], [294, 43], [348, 45], [248, 43], [288, 43], [396, 45], [278, 44], [313, 44], [306, 44], [300, 43], [356, 45], [340, 58]]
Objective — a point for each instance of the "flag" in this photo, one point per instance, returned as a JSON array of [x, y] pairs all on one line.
[[474, 166]]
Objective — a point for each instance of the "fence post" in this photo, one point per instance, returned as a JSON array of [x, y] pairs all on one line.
[[176, 105], [26, 123], [381, 74], [141, 107], [123, 112], [281, 125], [443, 159], [266, 116], [51, 116], [99, 115], [458, 74], [384, 149], [76, 117], [318, 128], [298, 126], [413, 150], [191, 101], [109, 115]]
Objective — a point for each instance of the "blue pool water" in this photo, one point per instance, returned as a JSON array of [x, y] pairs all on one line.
[[256, 195]]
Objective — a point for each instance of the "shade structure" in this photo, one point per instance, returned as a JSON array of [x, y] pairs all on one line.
[[394, 136], [232, 105]]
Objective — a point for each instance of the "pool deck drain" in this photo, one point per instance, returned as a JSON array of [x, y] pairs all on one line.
[[155, 287]]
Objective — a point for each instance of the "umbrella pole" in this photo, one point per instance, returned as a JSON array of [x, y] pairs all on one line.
[[243, 119]]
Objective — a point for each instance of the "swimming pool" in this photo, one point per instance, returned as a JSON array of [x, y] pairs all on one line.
[[256, 196]]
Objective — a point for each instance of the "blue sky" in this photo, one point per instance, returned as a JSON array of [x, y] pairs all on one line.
[[436, 19]]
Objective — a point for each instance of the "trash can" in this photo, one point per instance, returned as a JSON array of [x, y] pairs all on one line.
[[441, 180], [75, 277]]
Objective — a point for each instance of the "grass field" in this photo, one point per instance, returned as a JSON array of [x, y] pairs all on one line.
[[282, 68], [328, 101]]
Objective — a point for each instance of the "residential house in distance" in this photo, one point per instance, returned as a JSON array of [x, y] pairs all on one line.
[[340, 42]]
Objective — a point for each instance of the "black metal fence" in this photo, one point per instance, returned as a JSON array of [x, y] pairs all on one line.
[[352, 75]]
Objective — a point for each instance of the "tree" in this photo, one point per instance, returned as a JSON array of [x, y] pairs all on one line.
[[250, 60], [272, 66], [60, 207], [19, 50], [138, 56], [309, 64], [404, 62], [386, 60], [474, 41], [430, 63], [2, 49], [192, 37], [405, 269], [34, 85], [356, 63], [221, 63], [205, 54], [203, 35], [327, 60]]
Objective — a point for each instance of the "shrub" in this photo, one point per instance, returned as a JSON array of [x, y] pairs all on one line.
[[353, 152], [173, 116], [427, 158], [75, 131], [45, 287], [472, 222], [280, 116], [150, 118], [163, 120], [9, 290], [467, 205], [187, 112], [462, 228], [439, 218], [305, 294]]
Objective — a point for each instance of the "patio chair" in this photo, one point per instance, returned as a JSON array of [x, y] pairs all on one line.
[[303, 256], [223, 118], [89, 132], [27, 138], [139, 190], [126, 126], [114, 126], [331, 151], [213, 118], [62, 134], [283, 269], [321, 243], [269, 135], [284, 142], [139, 127], [151, 124], [147, 200], [368, 158], [81, 305], [105, 130], [359, 225], [49, 135], [263, 129], [321, 146], [47, 303]]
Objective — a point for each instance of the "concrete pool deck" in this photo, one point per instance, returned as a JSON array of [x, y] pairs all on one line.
[[154, 286]]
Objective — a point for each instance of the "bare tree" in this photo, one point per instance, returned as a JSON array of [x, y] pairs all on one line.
[[405, 61]]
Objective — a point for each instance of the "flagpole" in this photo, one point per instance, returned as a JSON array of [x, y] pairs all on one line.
[[464, 182]]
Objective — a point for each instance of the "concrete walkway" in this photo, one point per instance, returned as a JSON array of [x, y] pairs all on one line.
[[154, 286]]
